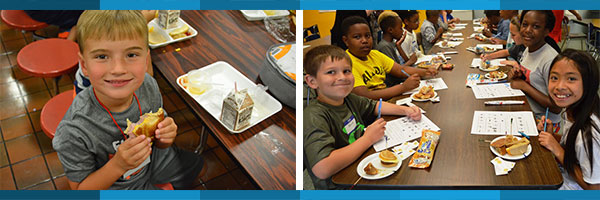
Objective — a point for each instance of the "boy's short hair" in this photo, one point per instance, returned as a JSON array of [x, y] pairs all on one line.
[[432, 13], [348, 22], [491, 13], [550, 19], [318, 55], [388, 19], [111, 25], [406, 14]]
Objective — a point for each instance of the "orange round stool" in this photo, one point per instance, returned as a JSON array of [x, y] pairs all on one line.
[[18, 19], [53, 112], [49, 58]]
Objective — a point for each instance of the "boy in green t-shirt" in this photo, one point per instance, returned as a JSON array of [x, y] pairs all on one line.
[[334, 124]]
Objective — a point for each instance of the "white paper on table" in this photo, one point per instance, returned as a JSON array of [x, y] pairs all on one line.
[[458, 28], [460, 24], [427, 58], [495, 46], [495, 91], [402, 130], [450, 44], [477, 62], [453, 34], [477, 28], [437, 83], [498, 123]]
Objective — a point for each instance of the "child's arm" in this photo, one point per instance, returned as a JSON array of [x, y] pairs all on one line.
[[385, 93], [166, 132], [498, 54], [536, 95], [397, 71], [412, 112], [578, 175], [129, 155], [340, 158]]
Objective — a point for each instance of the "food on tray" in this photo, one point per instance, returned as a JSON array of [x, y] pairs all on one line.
[[480, 38], [388, 158], [237, 110], [488, 49], [197, 82], [428, 65], [426, 92], [511, 145], [497, 74], [154, 37], [444, 43], [438, 59], [180, 32], [486, 65], [448, 66], [424, 155], [371, 170], [147, 124]]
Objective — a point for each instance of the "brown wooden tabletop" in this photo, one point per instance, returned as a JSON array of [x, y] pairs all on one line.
[[266, 151], [461, 159]]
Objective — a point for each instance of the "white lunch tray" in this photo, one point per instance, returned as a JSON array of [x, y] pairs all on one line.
[[223, 77], [254, 15], [165, 33]]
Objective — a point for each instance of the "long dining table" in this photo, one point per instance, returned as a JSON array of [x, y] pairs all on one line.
[[266, 151], [461, 159]]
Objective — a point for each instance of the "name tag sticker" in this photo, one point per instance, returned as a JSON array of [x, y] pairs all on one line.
[[350, 125]]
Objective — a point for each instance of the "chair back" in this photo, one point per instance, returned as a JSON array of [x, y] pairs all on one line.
[[311, 33]]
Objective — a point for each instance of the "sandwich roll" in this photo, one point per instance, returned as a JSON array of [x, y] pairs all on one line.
[[388, 158], [147, 124]]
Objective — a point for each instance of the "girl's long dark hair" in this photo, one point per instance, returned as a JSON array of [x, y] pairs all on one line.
[[582, 110]]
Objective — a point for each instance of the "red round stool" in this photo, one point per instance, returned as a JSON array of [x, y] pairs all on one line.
[[18, 19], [49, 58], [53, 112]]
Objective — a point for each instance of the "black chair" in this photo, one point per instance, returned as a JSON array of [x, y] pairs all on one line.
[[571, 35], [311, 33]]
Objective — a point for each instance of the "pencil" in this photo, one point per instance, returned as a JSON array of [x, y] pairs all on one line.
[[545, 119], [379, 112], [408, 75]]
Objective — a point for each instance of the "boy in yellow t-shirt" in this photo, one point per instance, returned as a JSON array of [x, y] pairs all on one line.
[[370, 67]]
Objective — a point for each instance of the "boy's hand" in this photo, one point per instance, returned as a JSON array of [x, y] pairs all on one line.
[[484, 57], [375, 131], [413, 112], [412, 82], [132, 152], [440, 30], [549, 125], [166, 132], [431, 72]]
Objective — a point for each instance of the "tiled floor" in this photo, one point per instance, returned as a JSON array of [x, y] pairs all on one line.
[[27, 160]]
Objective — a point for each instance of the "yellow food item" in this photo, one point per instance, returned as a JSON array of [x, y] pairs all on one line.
[[518, 149], [154, 37], [269, 12], [181, 30]]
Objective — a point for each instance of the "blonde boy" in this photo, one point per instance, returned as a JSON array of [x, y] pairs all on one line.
[[90, 142], [334, 123]]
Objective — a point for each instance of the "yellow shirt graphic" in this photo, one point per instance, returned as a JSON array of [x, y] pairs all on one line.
[[371, 72]]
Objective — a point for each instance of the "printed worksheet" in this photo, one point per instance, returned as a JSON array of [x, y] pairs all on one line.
[[437, 83], [402, 130], [498, 123], [495, 91]]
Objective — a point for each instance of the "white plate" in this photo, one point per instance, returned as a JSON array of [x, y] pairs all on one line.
[[488, 70], [412, 96], [487, 75], [165, 33], [254, 15], [223, 77], [383, 171], [509, 157]]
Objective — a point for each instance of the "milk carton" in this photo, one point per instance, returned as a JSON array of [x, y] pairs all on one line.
[[237, 110], [167, 19]]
